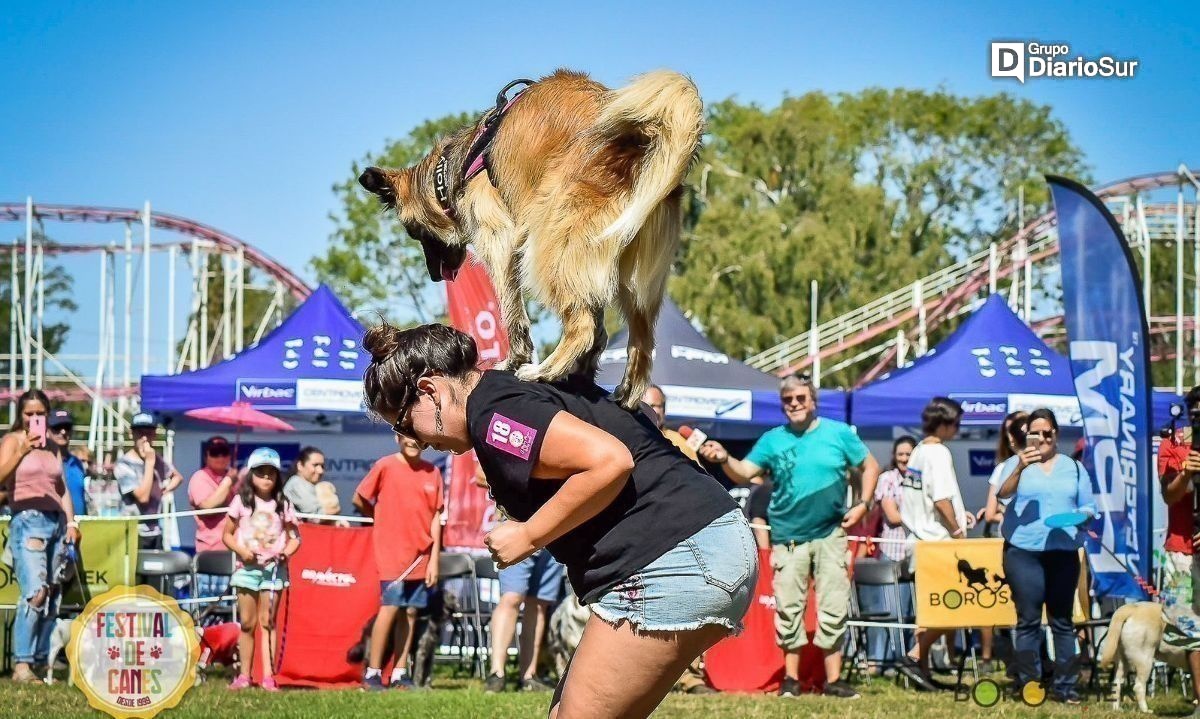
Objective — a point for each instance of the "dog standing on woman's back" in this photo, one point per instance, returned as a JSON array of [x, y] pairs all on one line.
[[571, 192]]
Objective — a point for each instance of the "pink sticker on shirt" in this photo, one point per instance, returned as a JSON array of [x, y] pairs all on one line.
[[510, 436]]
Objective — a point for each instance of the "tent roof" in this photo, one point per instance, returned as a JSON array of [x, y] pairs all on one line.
[[992, 361], [313, 361], [711, 390]]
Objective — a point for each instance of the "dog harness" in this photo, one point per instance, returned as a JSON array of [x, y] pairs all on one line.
[[477, 160]]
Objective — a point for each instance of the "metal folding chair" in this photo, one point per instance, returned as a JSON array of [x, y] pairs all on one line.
[[885, 575], [219, 563]]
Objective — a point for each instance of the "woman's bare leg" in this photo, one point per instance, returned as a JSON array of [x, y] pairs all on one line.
[[617, 673]]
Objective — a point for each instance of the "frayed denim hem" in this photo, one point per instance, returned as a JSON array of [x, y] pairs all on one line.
[[614, 619]]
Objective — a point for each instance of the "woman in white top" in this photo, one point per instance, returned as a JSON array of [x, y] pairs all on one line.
[[1012, 441]]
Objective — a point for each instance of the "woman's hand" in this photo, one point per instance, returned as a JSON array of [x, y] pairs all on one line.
[[509, 543], [432, 575], [1192, 464], [26, 442], [247, 556], [72, 534], [1028, 456]]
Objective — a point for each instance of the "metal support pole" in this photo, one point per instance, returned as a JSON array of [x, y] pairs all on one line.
[[919, 303], [28, 296], [146, 288], [992, 269], [172, 256], [901, 348], [40, 282], [94, 429], [1179, 291], [226, 314], [1196, 286], [814, 334], [12, 335], [1144, 232], [204, 349], [240, 298], [128, 314]]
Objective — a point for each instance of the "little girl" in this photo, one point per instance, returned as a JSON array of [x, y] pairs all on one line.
[[261, 530]]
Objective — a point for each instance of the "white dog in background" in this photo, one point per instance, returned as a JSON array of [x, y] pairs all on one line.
[[1135, 641], [59, 638]]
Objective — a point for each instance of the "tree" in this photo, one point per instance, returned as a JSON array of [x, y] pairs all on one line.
[[57, 289], [862, 192], [371, 261]]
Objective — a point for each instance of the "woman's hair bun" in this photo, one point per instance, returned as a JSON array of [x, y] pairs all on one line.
[[382, 341]]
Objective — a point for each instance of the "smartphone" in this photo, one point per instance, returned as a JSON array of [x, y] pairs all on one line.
[[1031, 440], [37, 425]]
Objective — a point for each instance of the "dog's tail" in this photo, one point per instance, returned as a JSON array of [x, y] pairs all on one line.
[[1112, 641], [663, 112]]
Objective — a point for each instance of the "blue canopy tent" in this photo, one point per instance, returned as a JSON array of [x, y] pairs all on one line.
[[312, 362], [992, 364], [707, 389]]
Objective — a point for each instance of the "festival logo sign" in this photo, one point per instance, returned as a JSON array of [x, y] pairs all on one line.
[[133, 652]]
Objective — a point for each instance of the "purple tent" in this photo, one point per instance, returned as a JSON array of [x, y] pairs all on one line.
[[312, 362]]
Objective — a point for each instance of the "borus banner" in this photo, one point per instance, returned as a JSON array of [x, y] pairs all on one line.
[[1110, 360]]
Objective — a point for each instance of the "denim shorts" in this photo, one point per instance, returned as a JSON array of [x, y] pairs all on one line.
[[260, 579], [538, 576], [708, 578], [404, 593]]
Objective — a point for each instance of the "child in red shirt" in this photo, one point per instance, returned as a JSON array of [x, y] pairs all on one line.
[[404, 495]]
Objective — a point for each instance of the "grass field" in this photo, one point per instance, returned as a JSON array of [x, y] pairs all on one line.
[[458, 698]]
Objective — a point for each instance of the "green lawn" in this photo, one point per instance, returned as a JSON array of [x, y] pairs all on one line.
[[457, 698]]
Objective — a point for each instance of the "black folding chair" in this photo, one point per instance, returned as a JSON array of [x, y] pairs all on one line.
[[464, 621], [485, 571], [217, 563], [159, 568], [884, 574]]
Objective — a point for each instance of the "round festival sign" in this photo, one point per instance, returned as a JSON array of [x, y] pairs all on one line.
[[133, 652]]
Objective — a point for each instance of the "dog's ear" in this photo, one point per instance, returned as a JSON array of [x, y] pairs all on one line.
[[379, 182]]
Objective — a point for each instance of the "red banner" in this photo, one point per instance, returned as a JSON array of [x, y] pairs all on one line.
[[469, 511], [334, 593], [471, 301], [752, 662]]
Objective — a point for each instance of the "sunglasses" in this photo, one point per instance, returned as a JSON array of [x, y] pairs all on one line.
[[61, 429], [222, 452], [795, 398]]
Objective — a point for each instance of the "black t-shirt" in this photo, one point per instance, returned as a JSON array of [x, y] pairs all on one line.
[[666, 500]]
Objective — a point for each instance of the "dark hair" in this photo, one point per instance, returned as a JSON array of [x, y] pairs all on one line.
[[1192, 398], [26, 397], [246, 492], [939, 412], [1011, 433], [307, 453], [401, 357], [905, 439], [1043, 413]]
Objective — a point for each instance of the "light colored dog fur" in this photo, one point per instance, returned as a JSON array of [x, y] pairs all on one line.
[[564, 631], [580, 207], [1134, 641], [60, 636]]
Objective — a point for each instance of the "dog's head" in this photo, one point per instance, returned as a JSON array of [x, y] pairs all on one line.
[[410, 194]]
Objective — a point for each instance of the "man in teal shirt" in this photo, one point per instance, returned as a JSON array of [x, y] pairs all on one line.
[[811, 461]]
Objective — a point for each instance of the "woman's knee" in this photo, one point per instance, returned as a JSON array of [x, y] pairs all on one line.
[[249, 622]]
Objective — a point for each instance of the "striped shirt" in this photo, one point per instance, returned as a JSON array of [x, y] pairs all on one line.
[[895, 545]]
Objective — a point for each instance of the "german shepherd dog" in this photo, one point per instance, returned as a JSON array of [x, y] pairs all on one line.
[[580, 204]]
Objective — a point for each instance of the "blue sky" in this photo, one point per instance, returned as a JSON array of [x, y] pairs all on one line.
[[243, 115]]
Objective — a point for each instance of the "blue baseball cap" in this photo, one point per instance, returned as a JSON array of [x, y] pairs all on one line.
[[143, 420], [264, 456]]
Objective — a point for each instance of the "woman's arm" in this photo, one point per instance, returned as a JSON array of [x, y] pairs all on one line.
[[596, 465], [229, 537], [993, 511], [13, 449], [1025, 457], [891, 512], [219, 495]]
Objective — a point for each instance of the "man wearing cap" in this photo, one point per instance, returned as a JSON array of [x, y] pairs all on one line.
[[143, 477], [211, 487], [74, 473]]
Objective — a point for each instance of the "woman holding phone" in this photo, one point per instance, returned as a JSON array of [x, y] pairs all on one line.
[[1041, 558], [42, 514]]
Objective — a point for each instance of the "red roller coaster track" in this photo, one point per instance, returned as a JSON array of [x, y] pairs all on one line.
[[15, 211]]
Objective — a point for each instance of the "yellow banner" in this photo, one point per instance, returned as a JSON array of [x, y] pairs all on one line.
[[961, 583], [107, 558]]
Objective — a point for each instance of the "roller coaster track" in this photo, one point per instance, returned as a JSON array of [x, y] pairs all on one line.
[[222, 241], [947, 293]]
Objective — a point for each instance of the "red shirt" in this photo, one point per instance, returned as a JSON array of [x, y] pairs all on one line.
[[1180, 525], [406, 499]]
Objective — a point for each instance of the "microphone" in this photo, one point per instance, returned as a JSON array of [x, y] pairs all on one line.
[[694, 437]]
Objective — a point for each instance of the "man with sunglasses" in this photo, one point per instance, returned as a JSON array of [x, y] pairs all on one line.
[[212, 487], [811, 461], [74, 473]]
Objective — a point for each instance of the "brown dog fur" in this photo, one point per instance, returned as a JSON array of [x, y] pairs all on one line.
[[582, 208]]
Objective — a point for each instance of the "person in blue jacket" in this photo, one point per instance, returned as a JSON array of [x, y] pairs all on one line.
[[1041, 563]]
